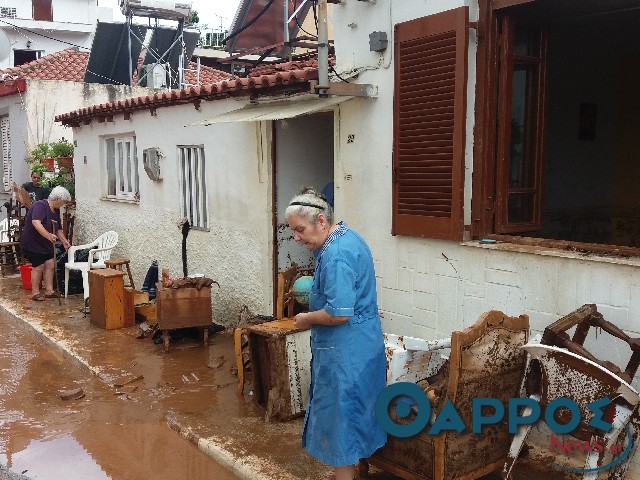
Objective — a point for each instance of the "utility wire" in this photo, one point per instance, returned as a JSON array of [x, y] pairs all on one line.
[[295, 4], [42, 35], [247, 25]]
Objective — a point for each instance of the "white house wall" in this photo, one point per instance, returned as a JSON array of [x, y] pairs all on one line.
[[236, 250], [427, 288], [74, 22], [31, 113]]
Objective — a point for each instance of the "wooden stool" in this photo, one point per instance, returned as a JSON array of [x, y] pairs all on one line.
[[118, 264]]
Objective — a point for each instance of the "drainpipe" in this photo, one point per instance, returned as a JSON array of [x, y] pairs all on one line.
[[323, 50]]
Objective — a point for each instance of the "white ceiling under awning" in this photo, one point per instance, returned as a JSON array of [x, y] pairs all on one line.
[[277, 110]]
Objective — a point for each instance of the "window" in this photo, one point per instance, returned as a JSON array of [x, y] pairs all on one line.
[[42, 10], [429, 125], [5, 143], [520, 142], [193, 186], [122, 168], [8, 12], [556, 143]]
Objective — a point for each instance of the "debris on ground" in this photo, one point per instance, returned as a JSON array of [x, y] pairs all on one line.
[[73, 394], [122, 383]]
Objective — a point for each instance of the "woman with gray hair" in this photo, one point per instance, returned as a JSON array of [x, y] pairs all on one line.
[[38, 238], [348, 365]]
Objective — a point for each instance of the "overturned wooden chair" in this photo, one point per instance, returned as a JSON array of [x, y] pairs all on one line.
[[486, 361], [563, 367]]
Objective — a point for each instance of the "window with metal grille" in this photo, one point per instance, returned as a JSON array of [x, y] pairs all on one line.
[[193, 185], [5, 143], [429, 125], [122, 168], [8, 12]]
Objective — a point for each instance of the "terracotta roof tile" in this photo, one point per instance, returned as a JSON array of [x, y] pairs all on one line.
[[70, 65], [266, 77]]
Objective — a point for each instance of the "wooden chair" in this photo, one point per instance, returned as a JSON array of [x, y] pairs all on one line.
[[565, 374], [583, 319], [486, 361], [285, 298]]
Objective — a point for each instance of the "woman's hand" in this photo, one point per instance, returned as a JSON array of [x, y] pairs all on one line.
[[302, 321]]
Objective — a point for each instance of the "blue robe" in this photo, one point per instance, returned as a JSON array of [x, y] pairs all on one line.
[[348, 365]]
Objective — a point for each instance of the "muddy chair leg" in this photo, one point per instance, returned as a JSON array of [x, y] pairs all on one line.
[[363, 468], [205, 336]]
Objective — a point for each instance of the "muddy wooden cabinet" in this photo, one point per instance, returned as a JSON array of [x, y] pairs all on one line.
[[106, 289], [281, 368], [183, 308]]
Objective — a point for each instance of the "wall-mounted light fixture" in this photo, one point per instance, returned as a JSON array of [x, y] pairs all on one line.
[[28, 43]]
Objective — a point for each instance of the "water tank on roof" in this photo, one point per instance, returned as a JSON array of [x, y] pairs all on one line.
[[164, 9]]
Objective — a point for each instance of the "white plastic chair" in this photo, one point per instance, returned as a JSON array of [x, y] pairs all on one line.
[[100, 250], [5, 231]]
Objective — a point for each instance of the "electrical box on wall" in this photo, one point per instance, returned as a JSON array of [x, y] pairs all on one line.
[[151, 162], [378, 41]]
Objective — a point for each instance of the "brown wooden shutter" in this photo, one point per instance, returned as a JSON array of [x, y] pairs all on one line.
[[42, 10], [429, 125]]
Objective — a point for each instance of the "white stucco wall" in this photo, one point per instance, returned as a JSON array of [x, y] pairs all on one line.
[[235, 251], [74, 22], [32, 113]]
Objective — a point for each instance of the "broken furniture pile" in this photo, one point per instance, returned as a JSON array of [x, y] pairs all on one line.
[[492, 359]]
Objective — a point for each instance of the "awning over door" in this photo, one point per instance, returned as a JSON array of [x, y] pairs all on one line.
[[277, 110]]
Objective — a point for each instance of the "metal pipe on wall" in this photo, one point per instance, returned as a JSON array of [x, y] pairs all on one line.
[[323, 49]]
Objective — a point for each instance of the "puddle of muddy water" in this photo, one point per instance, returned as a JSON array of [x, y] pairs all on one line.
[[100, 436]]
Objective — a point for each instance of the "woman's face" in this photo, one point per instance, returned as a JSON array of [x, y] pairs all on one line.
[[308, 234]]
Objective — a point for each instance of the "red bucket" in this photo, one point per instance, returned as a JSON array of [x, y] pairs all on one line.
[[25, 274]]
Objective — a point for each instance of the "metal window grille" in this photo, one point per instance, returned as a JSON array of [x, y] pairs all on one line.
[[8, 12], [5, 142], [193, 190]]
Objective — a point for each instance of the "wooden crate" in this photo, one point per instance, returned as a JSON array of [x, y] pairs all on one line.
[[106, 292], [183, 308], [133, 297], [281, 367]]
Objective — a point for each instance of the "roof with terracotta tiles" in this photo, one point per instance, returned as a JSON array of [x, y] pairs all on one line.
[[70, 65], [265, 79]]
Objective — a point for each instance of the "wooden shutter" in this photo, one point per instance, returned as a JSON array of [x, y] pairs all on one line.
[[42, 10], [429, 125], [5, 140]]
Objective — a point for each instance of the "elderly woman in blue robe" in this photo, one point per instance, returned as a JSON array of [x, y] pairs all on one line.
[[348, 367]]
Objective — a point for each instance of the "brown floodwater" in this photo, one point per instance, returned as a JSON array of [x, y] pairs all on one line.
[[100, 436]]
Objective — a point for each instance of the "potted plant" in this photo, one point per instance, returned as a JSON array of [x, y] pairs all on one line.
[[41, 155], [62, 151]]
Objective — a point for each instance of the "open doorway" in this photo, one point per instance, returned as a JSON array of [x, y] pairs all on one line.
[[303, 156]]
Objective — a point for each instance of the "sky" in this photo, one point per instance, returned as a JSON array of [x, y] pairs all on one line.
[[211, 12]]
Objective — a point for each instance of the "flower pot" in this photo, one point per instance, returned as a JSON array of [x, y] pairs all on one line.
[[65, 162], [48, 163]]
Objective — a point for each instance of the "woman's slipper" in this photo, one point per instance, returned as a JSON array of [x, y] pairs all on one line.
[[51, 295], [38, 297]]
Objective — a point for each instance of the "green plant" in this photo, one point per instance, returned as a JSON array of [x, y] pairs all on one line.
[[39, 153], [66, 179], [39, 168], [62, 148]]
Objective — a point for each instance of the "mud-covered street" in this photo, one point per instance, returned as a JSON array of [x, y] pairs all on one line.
[[100, 436]]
